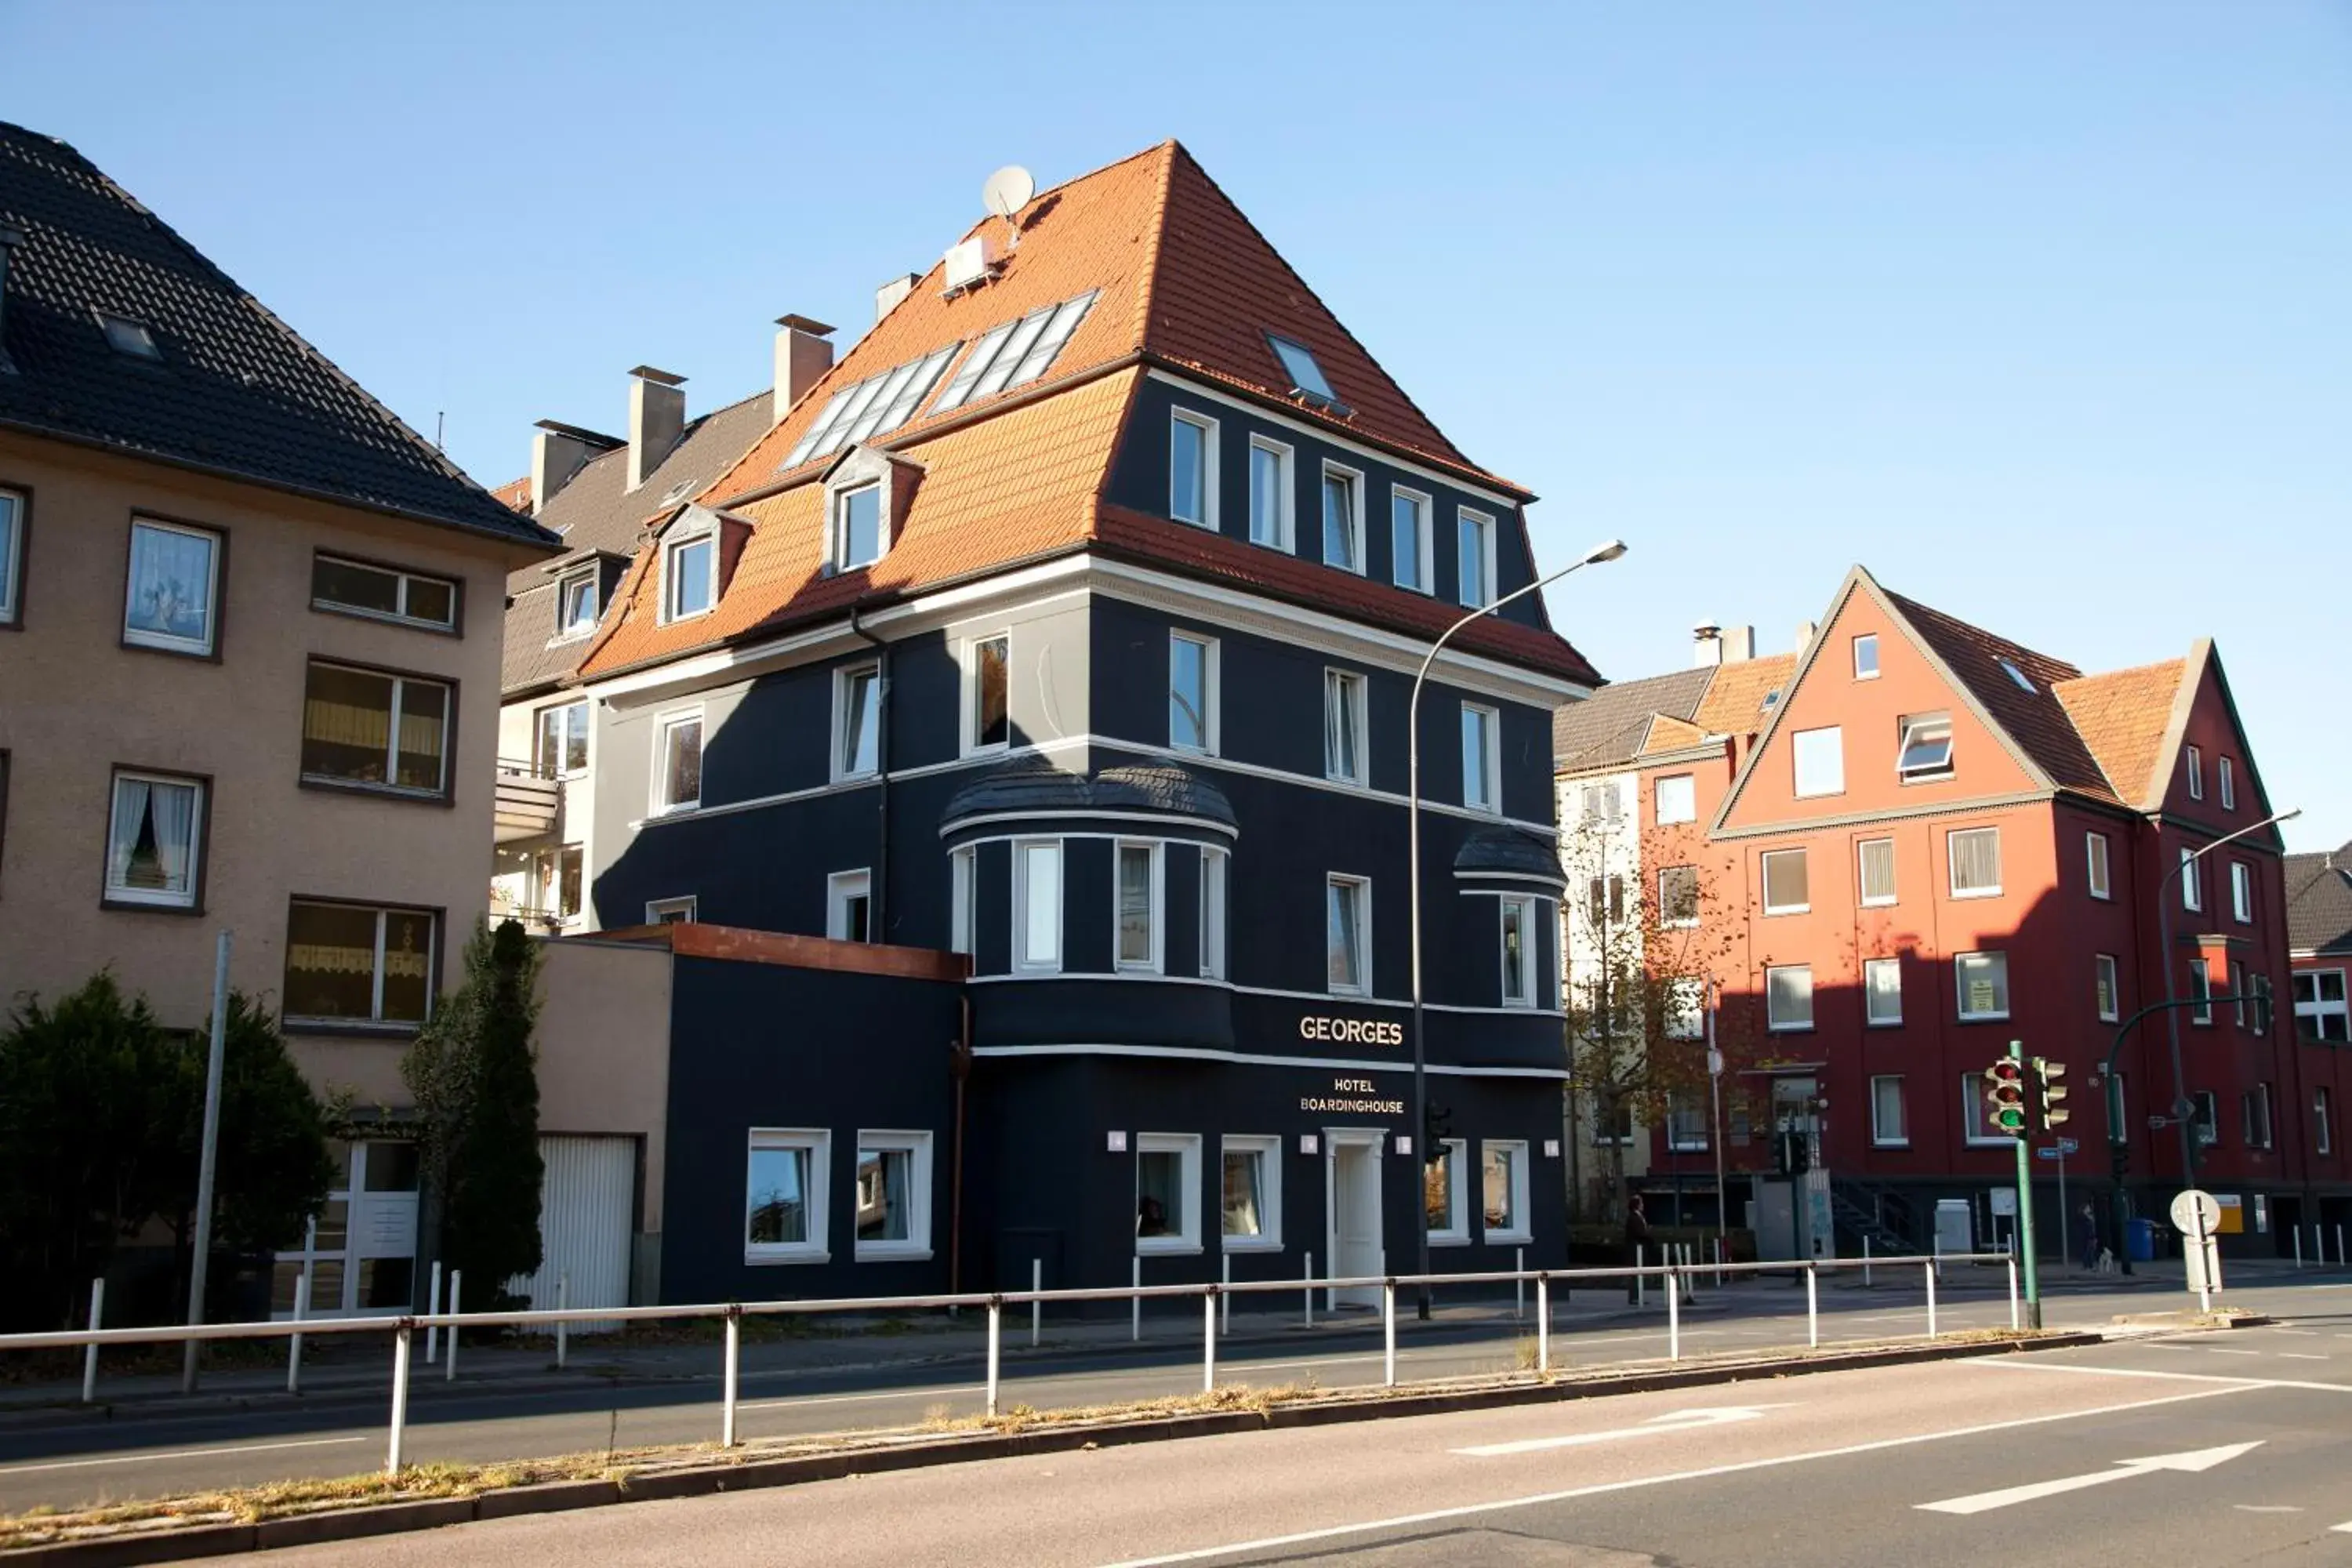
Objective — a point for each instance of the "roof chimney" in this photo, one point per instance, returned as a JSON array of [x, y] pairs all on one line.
[[557, 452], [887, 296], [656, 420], [10, 238], [802, 356], [1706, 645], [1805, 630], [1738, 645]]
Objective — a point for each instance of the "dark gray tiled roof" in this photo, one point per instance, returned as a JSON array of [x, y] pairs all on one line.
[[1033, 785], [1508, 852], [2319, 902], [1610, 725], [596, 510], [236, 391]]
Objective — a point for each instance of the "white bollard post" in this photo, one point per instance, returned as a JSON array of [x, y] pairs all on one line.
[[1674, 1316], [1865, 1263], [563, 1304], [1640, 1286], [1937, 1250], [400, 1337], [294, 1342], [1813, 1307], [433, 1305], [1225, 1303], [2013, 1319], [90, 1353], [2341, 1262], [995, 1316], [1135, 1307], [1387, 1331], [449, 1368], [1310, 1291], [1209, 1341], [1036, 1308], [729, 1377], [1543, 1323], [1518, 1287], [2298, 1247], [1929, 1269]]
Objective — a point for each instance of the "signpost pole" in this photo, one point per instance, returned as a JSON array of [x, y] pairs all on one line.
[[2025, 1211], [2066, 1216]]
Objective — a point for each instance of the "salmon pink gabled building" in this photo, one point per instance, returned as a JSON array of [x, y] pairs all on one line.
[[1920, 841]]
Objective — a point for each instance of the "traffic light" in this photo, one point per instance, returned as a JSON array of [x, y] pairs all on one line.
[[1792, 1153], [2047, 1074], [2005, 1097]]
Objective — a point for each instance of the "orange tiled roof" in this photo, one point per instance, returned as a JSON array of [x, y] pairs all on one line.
[[2122, 717], [2035, 720], [1734, 704], [514, 494], [1668, 733]]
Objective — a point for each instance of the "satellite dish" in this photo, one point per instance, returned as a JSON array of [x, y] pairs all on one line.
[[1008, 191]]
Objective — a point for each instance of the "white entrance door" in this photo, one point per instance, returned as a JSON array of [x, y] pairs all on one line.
[[586, 1203], [1351, 1207]]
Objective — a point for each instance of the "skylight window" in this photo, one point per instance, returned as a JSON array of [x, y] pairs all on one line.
[[2024, 682], [1925, 752], [874, 406], [1014, 354], [125, 336], [1307, 378]]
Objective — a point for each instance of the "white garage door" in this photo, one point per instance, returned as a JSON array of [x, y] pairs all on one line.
[[584, 1213]]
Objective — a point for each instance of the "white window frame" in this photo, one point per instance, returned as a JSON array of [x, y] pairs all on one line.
[[1911, 725], [1354, 479], [1362, 894], [2323, 1120], [915, 1144], [1961, 986], [1285, 500], [844, 682], [963, 904], [1788, 1027], [2195, 759], [2227, 772], [1023, 961], [1668, 919], [1520, 1230], [1268, 1151], [1423, 556], [1216, 870], [1863, 894], [2192, 883], [2099, 865], [1869, 640], [1834, 761], [383, 913], [566, 630], [816, 1144], [2205, 1120], [150, 898], [1485, 585], [217, 543], [2241, 892], [1186, 1236], [1880, 1138], [1677, 1140], [1686, 809], [1491, 728], [1531, 926], [395, 714], [1353, 688], [659, 803], [2319, 1009], [2201, 991], [836, 504], [1764, 883], [13, 507], [671, 581], [1207, 427], [685, 904], [2104, 969], [1455, 1154], [557, 768], [1210, 693], [968, 736], [547, 881], [1155, 911], [1683, 1016], [841, 889], [1952, 864], [1871, 969], [401, 577]]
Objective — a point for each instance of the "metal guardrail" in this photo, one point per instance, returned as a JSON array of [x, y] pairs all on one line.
[[1677, 1278]]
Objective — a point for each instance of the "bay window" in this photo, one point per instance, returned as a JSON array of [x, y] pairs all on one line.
[[1037, 904], [1136, 899], [1520, 948]]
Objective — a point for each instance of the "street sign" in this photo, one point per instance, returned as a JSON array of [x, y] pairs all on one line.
[[2195, 1213], [2068, 1146], [2049, 1153]]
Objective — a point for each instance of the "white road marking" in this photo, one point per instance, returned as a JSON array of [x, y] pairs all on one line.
[[2298, 1355], [2266, 1508], [2190, 1462], [2343, 1528], [1655, 1426], [1538, 1499], [148, 1458], [863, 1399], [2011, 1363]]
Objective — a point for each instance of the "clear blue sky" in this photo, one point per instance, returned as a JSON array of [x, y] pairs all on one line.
[[2042, 312]]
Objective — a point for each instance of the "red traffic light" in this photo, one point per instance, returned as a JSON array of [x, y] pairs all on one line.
[[2005, 1096]]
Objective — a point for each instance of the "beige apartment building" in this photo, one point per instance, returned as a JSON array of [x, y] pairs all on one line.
[[249, 668]]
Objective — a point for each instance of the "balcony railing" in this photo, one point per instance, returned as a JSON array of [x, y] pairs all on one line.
[[528, 800]]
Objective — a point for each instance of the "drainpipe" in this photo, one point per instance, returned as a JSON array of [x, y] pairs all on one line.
[[959, 1068], [880, 930]]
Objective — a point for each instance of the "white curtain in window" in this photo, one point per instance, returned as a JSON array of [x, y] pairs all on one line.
[[171, 582], [1244, 1215], [154, 825]]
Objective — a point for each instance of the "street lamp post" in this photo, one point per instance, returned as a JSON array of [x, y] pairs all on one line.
[[1599, 553]]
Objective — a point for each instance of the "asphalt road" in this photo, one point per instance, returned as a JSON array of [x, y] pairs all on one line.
[[160, 1450], [2216, 1450]]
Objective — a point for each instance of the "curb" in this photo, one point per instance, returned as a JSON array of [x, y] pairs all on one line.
[[706, 1480]]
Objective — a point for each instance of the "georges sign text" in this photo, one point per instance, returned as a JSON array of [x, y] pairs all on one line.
[[1353, 1094], [1351, 1031]]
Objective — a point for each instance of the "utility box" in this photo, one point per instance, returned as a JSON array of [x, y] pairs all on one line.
[[1955, 1225]]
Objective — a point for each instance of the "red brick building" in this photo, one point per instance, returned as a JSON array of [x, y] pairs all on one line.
[[1923, 841]]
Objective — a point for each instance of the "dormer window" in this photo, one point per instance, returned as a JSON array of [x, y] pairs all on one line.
[[1927, 749], [575, 604], [1308, 380], [689, 576], [857, 532], [132, 339]]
